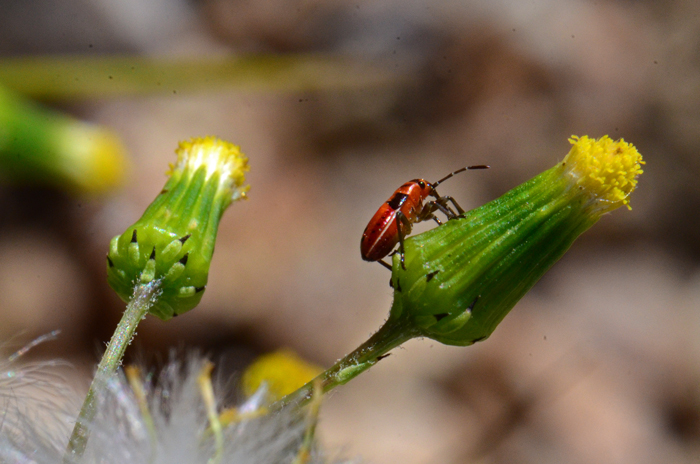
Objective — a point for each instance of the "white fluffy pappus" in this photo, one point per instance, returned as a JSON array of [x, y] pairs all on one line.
[[32, 394], [170, 427]]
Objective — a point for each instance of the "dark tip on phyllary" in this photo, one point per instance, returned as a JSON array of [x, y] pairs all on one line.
[[440, 316], [109, 261], [379, 358], [430, 276], [183, 261], [153, 253], [184, 239], [200, 289], [133, 237]]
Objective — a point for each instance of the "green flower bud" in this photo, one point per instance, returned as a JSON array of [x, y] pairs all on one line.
[[173, 242], [462, 278]]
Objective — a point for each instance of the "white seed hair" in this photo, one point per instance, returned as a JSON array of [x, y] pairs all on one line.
[[120, 434]]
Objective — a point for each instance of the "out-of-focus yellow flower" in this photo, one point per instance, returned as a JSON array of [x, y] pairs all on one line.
[[283, 371], [43, 146]]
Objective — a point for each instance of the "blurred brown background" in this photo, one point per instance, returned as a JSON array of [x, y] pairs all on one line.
[[600, 362]]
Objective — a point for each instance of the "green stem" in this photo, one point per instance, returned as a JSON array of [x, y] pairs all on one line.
[[74, 77], [392, 334], [143, 299]]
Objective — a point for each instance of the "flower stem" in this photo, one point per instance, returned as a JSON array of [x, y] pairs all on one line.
[[143, 298], [392, 334]]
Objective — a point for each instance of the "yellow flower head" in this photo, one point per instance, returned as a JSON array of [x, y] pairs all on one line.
[[283, 371], [607, 169], [216, 156]]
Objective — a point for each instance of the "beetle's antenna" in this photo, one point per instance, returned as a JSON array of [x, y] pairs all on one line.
[[478, 166]]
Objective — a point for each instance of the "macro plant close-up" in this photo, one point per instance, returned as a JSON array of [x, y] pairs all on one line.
[[184, 186]]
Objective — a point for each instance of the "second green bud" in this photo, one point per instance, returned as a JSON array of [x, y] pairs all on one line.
[[173, 242]]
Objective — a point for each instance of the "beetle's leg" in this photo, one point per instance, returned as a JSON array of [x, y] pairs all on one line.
[[427, 213], [438, 205], [402, 221], [425, 217], [443, 201], [452, 200], [441, 204], [430, 208], [383, 263]]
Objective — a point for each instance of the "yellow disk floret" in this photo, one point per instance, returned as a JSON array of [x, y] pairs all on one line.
[[216, 156], [283, 371], [607, 169]]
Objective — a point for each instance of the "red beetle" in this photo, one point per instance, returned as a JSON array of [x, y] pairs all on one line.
[[394, 219]]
